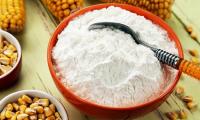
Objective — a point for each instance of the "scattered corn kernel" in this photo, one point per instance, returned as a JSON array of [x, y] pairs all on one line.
[[182, 114], [189, 29], [12, 15], [179, 91], [187, 99], [194, 52], [172, 115], [191, 105], [193, 35]]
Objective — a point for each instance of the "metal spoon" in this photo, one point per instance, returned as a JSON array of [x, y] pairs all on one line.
[[172, 60]]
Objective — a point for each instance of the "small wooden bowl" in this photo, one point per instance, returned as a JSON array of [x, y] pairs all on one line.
[[101, 111], [10, 77]]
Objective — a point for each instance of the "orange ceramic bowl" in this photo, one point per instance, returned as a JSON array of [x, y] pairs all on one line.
[[11, 76], [106, 112]]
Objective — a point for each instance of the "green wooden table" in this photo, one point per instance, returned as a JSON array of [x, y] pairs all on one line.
[[35, 74]]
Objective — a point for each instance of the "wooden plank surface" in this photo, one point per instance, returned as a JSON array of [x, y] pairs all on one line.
[[39, 28]]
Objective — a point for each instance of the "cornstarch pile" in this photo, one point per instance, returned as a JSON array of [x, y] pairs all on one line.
[[106, 66]]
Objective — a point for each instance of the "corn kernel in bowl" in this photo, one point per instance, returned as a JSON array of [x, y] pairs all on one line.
[[8, 55], [30, 108]]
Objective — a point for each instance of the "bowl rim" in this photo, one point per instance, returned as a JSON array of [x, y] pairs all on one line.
[[51, 98], [155, 19], [18, 47]]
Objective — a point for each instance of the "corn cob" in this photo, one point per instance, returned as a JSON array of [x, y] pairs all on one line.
[[12, 16], [62, 8], [161, 8]]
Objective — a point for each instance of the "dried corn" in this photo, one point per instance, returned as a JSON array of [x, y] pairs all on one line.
[[12, 16], [182, 114], [161, 8], [62, 8], [28, 108], [187, 99], [8, 55], [172, 115], [191, 105], [47, 111]]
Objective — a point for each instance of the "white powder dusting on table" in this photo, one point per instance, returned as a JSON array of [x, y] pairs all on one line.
[[106, 66]]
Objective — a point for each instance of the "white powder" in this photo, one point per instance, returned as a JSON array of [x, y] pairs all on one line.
[[108, 67]]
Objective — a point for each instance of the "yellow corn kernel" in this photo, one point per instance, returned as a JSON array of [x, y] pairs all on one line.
[[8, 52], [21, 102], [33, 117], [34, 105], [47, 111], [14, 117], [35, 99], [39, 109], [30, 111], [12, 15], [9, 114], [22, 108], [9, 107], [5, 60], [1, 42], [43, 102], [27, 99], [13, 59], [51, 118], [57, 115], [194, 52], [12, 48], [3, 114], [5, 69], [22, 116], [41, 116], [60, 8], [15, 106], [52, 107]]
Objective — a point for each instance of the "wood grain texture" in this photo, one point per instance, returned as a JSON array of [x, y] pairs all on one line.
[[35, 75]]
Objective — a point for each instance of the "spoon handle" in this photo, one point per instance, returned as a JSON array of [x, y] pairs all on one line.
[[190, 68], [176, 62]]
